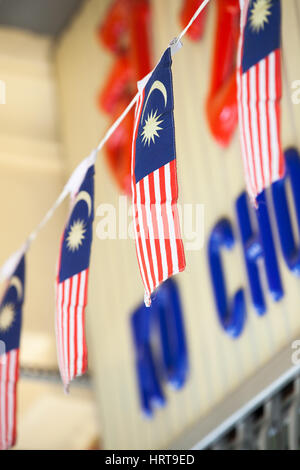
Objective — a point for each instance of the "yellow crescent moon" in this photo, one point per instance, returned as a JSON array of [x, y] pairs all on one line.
[[157, 85], [84, 196], [16, 282]]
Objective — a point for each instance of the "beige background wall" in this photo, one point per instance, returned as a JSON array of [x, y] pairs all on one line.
[[207, 175], [32, 168], [32, 172]]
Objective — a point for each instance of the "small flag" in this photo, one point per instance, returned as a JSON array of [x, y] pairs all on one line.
[[72, 282], [259, 93], [10, 329], [154, 180]]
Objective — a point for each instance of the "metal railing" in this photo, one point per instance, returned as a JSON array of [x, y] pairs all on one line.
[[273, 424]]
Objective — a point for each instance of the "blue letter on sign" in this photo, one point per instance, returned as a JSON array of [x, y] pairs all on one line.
[[148, 381], [160, 346], [259, 245], [290, 250], [232, 317]]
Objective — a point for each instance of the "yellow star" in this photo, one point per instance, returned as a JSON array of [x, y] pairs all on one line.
[[7, 316], [76, 235], [259, 14], [151, 127]]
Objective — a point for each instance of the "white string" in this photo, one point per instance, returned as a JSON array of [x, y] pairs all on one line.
[[197, 13], [112, 129], [73, 183]]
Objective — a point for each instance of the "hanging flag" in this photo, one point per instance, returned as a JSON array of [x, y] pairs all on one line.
[[10, 329], [72, 281], [259, 93], [154, 180]]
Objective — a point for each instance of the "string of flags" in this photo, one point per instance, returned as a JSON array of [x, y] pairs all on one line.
[[159, 246]]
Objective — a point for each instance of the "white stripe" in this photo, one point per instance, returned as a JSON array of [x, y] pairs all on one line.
[[138, 250], [11, 395], [243, 144], [150, 226], [72, 324], [79, 322], [241, 123], [247, 128], [3, 368], [160, 225], [254, 121], [59, 289], [142, 234], [272, 117], [133, 192], [65, 329], [263, 120], [170, 219]]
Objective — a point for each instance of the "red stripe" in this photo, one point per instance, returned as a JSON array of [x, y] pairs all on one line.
[[14, 434], [139, 242], [6, 397], [165, 220], [84, 359], [58, 339], [72, 323], [68, 331], [146, 231], [63, 371], [258, 124], [75, 326], [2, 392], [3, 403], [250, 131], [155, 227], [174, 190], [278, 81], [268, 117]]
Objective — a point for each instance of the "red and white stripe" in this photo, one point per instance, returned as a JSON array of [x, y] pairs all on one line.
[[157, 233], [9, 372], [259, 94], [71, 295]]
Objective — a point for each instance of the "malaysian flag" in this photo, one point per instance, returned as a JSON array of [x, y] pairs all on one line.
[[10, 329], [72, 282], [154, 180], [259, 93]]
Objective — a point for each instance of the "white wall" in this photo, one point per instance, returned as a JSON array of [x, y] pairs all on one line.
[[32, 170]]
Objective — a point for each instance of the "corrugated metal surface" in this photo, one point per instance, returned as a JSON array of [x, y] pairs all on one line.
[[207, 175]]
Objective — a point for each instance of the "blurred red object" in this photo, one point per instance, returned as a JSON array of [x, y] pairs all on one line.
[[112, 29], [221, 104], [117, 84], [126, 32], [189, 7], [139, 37]]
